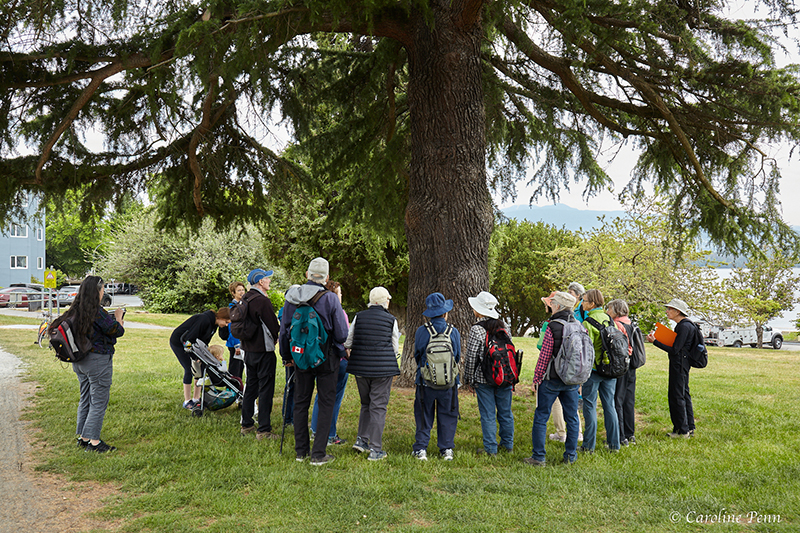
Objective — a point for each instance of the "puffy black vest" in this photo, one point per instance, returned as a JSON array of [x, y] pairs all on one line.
[[372, 354]]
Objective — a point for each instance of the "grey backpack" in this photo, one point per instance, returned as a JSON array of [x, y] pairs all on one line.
[[574, 361], [440, 369]]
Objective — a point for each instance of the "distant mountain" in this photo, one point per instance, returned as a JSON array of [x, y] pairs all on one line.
[[560, 215]]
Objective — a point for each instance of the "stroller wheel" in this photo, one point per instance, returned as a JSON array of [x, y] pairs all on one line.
[[197, 412]]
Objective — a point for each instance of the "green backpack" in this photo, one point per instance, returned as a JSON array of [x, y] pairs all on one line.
[[307, 335], [440, 369]]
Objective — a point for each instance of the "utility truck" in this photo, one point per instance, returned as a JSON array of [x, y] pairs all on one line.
[[738, 337]]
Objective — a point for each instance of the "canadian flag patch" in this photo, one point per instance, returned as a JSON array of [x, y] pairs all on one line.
[[297, 349]]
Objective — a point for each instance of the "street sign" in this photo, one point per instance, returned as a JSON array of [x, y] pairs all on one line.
[[49, 279]]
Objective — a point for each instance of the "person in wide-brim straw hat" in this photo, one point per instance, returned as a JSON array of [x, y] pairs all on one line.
[[681, 410]]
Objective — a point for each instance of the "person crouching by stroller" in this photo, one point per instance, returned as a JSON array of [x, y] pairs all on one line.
[[374, 341], [201, 326]]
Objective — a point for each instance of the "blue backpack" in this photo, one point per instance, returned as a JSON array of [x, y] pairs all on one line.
[[307, 335]]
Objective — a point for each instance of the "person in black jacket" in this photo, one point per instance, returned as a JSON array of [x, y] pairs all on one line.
[[680, 401], [201, 326], [259, 355], [373, 341]]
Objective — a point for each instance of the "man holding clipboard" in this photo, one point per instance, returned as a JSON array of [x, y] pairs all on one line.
[[677, 345]]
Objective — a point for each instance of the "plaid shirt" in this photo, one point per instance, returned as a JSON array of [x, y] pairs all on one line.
[[105, 331], [545, 355], [476, 342]]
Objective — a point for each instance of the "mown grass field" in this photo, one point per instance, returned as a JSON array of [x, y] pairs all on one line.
[[177, 473]]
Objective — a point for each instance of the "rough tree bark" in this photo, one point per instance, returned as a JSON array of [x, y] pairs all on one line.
[[448, 218]]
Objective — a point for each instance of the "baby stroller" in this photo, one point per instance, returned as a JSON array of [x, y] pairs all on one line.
[[220, 387]]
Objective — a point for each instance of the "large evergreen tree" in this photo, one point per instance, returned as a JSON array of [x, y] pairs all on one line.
[[425, 94]]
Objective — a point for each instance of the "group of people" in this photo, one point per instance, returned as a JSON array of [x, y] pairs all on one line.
[[618, 394], [368, 348]]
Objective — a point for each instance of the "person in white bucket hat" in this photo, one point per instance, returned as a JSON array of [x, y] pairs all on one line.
[[494, 402]]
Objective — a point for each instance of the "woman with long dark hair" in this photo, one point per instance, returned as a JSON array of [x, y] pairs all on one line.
[[94, 371]]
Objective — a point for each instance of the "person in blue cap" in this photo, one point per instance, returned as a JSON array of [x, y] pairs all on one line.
[[259, 356], [436, 396]]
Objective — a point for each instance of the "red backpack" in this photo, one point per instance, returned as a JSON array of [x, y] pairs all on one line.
[[500, 361]]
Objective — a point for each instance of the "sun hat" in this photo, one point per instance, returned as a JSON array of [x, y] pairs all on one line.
[[484, 303], [257, 274], [565, 300], [436, 305], [548, 300], [318, 268], [379, 296], [679, 305]]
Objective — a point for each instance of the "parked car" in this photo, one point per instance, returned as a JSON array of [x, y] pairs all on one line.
[[66, 294], [22, 296]]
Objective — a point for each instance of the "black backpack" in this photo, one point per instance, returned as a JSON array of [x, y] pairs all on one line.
[[636, 338], [698, 354], [241, 327], [68, 345], [615, 349]]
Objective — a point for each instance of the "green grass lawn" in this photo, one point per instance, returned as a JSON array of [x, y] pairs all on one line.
[[178, 473]]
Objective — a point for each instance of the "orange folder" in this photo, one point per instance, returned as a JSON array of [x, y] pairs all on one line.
[[665, 335]]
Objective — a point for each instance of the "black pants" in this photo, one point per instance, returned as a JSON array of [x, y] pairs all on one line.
[[235, 366], [625, 402], [261, 385], [326, 394], [680, 401]]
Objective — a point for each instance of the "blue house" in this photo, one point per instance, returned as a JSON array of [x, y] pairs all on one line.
[[22, 248]]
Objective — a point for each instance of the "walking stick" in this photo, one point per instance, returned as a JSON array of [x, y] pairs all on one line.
[[283, 410]]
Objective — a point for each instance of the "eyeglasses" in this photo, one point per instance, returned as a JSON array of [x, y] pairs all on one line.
[[100, 284]]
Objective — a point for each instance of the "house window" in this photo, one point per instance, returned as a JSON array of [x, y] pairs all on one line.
[[19, 231], [40, 263], [24, 199], [39, 234], [19, 261]]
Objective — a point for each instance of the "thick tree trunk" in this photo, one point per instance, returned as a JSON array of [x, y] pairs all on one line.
[[448, 218]]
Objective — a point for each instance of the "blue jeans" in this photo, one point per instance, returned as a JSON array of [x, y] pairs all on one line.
[[607, 388], [341, 383], [493, 400], [549, 390]]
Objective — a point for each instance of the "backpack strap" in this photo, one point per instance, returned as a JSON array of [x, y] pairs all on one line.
[[597, 325], [313, 301], [429, 328]]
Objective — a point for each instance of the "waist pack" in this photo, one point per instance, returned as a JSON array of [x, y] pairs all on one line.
[[574, 361], [614, 360], [308, 339], [440, 369], [69, 346], [500, 361]]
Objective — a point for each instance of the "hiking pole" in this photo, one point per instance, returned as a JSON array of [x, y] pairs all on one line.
[[283, 410]]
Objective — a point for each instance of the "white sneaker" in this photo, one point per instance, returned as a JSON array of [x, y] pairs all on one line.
[[422, 455], [447, 455], [557, 437]]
